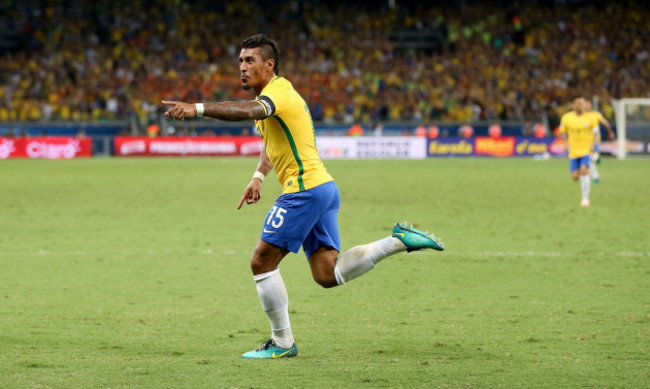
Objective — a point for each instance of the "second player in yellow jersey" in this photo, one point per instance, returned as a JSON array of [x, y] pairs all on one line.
[[579, 130]]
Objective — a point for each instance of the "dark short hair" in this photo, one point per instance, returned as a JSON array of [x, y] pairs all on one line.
[[268, 48]]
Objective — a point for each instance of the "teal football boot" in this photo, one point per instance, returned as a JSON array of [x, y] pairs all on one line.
[[269, 350], [415, 239]]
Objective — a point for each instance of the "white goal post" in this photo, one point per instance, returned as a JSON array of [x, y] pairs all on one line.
[[620, 112]]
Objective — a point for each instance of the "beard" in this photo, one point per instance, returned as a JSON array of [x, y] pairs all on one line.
[[246, 86]]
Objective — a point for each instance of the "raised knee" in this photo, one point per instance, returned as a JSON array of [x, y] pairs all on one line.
[[325, 280], [322, 263]]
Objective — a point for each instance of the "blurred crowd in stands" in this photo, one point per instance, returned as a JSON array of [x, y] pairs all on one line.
[[101, 60]]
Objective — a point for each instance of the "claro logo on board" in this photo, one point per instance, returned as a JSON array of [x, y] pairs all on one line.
[[38, 149]]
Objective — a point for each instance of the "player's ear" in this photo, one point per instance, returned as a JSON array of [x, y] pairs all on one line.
[[270, 64]]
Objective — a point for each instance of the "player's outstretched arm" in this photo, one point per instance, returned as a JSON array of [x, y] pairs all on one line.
[[229, 110], [252, 193]]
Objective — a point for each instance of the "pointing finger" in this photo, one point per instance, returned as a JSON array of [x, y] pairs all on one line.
[[241, 201]]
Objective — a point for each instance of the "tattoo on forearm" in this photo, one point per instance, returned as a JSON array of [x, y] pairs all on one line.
[[234, 110], [265, 166]]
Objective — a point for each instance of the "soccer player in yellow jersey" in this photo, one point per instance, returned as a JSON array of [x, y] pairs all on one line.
[[306, 212], [577, 131], [595, 156]]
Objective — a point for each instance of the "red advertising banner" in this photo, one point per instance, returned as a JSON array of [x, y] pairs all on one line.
[[179, 146], [46, 147]]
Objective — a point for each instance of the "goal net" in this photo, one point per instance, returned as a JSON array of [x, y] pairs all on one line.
[[632, 125]]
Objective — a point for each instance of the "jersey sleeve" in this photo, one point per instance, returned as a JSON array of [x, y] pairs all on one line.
[[274, 100], [267, 104]]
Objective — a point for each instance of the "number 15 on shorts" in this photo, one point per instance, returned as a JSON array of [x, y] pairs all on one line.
[[276, 217]]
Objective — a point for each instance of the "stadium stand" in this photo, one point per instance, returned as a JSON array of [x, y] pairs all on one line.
[[101, 60]]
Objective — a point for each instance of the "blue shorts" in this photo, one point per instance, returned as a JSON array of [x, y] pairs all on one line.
[[307, 219], [575, 163]]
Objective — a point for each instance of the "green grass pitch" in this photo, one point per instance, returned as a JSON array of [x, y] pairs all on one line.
[[134, 273]]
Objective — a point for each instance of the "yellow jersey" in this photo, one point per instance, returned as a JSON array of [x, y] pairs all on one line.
[[599, 118], [289, 137], [580, 133]]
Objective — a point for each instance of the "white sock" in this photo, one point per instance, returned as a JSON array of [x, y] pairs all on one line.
[[585, 183], [275, 302], [361, 259], [593, 172]]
